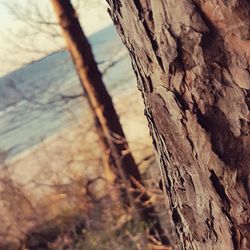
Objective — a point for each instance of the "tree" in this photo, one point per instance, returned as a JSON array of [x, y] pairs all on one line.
[[112, 138], [107, 120], [191, 59]]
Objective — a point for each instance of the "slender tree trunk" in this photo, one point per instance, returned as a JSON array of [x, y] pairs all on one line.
[[191, 59], [112, 137]]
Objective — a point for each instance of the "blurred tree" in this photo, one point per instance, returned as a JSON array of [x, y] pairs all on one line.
[[107, 120], [115, 147], [191, 59]]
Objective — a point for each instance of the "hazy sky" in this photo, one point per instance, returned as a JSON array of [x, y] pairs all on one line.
[[15, 35]]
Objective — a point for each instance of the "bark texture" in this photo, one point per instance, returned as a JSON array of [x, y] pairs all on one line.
[[191, 59]]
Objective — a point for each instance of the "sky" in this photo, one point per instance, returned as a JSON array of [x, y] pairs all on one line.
[[18, 41]]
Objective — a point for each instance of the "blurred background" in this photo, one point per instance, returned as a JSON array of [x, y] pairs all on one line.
[[53, 192]]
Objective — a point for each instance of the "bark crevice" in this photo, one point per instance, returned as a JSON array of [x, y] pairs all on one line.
[[220, 190]]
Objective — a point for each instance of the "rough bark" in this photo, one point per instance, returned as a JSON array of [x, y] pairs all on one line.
[[112, 138], [191, 59]]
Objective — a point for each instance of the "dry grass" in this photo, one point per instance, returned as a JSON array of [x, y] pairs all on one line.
[[49, 185]]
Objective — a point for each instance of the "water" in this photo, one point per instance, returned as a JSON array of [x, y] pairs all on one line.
[[31, 104]]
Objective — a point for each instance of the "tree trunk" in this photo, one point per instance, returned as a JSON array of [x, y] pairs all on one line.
[[191, 59], [112, 137], [107, 121]]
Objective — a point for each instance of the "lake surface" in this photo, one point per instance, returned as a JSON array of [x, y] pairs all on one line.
[[36, 100]]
